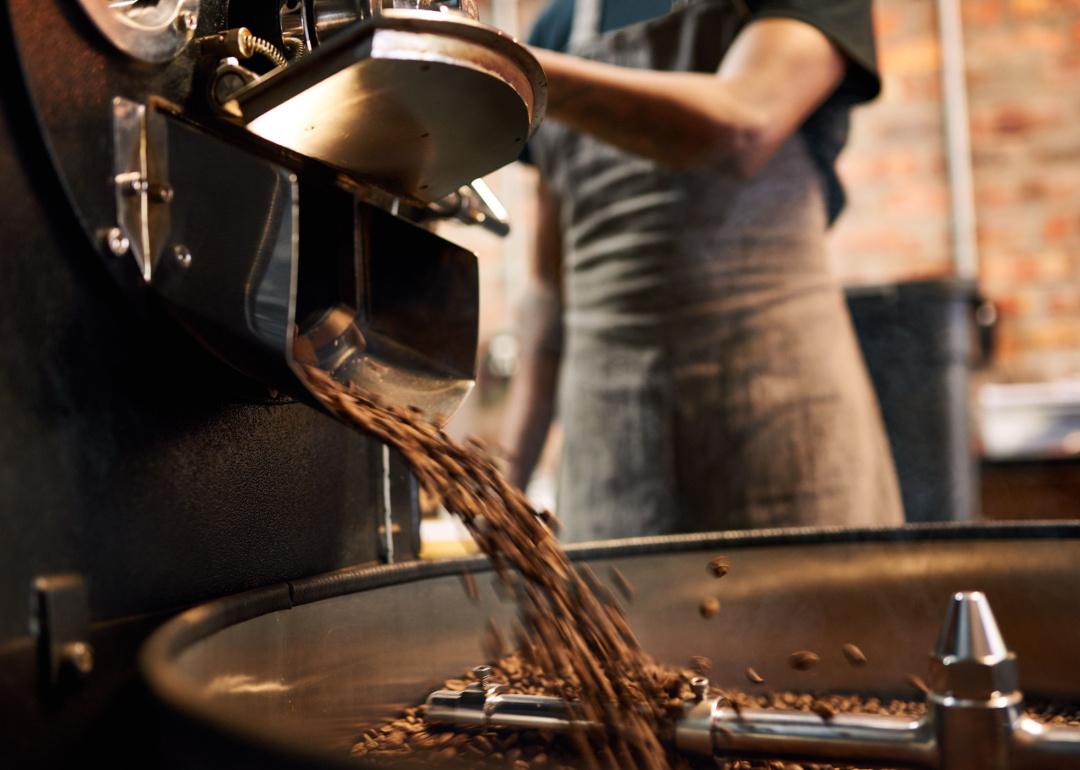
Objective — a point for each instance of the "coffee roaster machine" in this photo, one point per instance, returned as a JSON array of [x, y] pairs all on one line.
[[203, 198]]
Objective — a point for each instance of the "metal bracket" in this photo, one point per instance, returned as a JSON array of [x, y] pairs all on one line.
[[60, 623], [141, 181], [474, 204], [398, 528]]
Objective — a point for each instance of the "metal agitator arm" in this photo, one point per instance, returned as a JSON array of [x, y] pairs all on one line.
[[974, 721]]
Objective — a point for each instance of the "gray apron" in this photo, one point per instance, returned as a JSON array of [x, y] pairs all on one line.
[[711, 378]]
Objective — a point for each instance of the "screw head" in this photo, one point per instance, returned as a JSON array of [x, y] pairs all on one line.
[[116, 242], [482, 673], [699, 685], [182, 256]]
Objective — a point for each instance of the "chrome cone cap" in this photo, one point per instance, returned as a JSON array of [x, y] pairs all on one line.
[[971, 660]]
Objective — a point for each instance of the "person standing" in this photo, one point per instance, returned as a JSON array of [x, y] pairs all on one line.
[[680, 302]]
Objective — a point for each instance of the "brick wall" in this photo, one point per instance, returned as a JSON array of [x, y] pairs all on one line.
[[1024, 81], [896, 225], [1023, 75]]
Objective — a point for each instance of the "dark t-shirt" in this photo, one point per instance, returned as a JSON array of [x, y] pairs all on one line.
[[847, 23]]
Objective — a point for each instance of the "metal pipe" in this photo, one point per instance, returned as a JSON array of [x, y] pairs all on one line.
[[957, 140], [532, 712], [1035, 747], [863, 740]]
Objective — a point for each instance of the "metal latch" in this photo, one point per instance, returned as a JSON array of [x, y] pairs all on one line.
[[60, 623]]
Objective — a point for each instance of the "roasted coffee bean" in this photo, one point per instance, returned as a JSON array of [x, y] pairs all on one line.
[[493, 642], [700, 665], [719, 566], [626, 588], [917, 682], [709, 607], [551, 520], [854, 655], [823, 710], [470, 585], [754, 676], [803, 660]]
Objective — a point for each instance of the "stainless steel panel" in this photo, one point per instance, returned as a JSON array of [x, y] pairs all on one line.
[[416, 102]]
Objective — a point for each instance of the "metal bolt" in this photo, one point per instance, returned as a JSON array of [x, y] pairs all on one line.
[[700, 687], [482, 674], [226, 84], [116, 242], [160, 193], [186, 21], [182, 255], [244, 43], [135, 186], [78, 658]]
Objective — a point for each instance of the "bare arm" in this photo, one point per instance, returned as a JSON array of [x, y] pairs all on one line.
[[774, 75], [531, 401]]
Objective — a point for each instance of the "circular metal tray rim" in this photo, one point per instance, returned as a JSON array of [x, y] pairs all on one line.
[[168, 641]]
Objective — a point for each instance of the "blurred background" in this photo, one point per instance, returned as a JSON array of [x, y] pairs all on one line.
[[960, 248]]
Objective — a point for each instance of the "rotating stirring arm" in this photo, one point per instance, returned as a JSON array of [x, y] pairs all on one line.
[[974, 721]]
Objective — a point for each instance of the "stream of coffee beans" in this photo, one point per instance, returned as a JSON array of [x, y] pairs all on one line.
[[576, 637], [573, 640]]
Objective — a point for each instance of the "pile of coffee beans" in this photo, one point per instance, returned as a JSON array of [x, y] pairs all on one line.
[[574, 636]]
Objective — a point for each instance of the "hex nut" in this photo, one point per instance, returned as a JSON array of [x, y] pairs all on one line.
[[974, 679]]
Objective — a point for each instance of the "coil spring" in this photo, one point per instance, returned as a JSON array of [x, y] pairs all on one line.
[[267, 49], [295, 48]]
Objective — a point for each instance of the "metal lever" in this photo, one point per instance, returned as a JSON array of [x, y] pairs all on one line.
[[474, 204], [974, 719], [488, 705]]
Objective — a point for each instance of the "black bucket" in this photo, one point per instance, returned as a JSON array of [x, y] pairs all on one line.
[[921, 340]]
